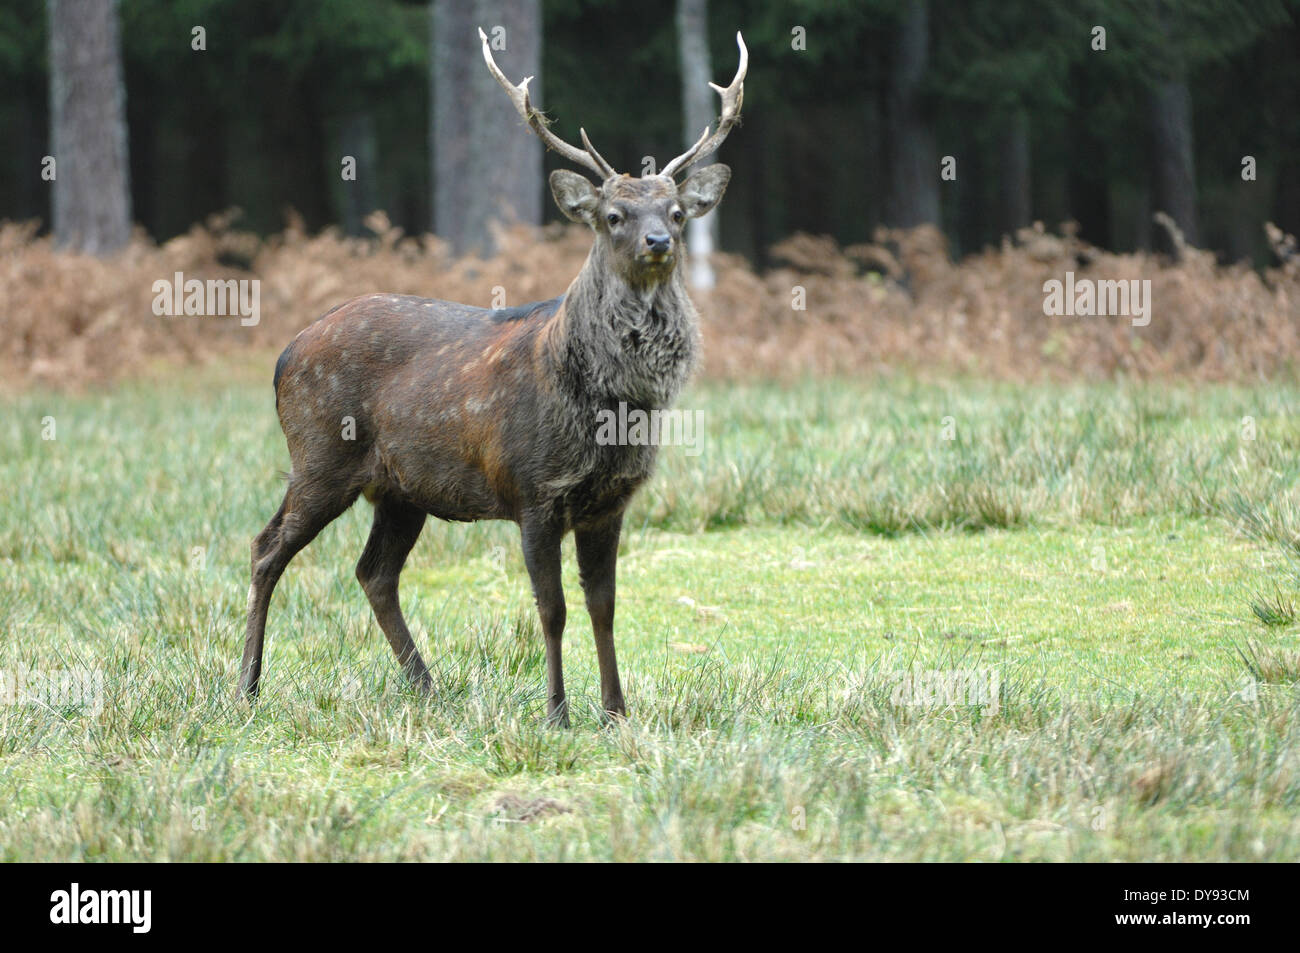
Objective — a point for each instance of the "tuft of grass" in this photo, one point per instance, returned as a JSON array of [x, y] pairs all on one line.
[[1275, 520], [1274, 611], [1272, 665]]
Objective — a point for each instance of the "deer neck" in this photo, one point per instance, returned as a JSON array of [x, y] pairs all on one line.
[[620, 340]]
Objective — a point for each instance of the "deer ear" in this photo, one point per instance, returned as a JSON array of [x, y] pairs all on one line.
[[575, 195], [702, 191]]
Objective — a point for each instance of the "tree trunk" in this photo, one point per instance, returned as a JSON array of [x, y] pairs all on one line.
[[453, 51], [487, 164], [697, 110], [1173, 172], [1086, 183], [1014, 190], [357, 138], [92, 197], [914, 164], [30, 145], [968, 194]]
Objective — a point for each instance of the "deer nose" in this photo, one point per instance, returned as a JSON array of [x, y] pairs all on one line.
[[659, 243]]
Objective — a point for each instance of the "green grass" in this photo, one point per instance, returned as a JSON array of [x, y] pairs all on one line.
[[1117, 561]]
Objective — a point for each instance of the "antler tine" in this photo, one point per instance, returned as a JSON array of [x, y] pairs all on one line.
[[537, 122], [732, 97], [606, 170]]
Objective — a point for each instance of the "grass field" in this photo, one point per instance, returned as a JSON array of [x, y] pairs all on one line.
[[888, 620]]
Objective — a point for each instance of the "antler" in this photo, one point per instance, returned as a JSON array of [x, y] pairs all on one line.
[[519, 96], [732, 97]]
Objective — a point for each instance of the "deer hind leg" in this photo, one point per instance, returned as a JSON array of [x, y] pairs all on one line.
[[306, 510], [396, 528]]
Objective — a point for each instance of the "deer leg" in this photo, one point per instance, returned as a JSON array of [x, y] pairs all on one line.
[[541, 541], [300, 518], [396, 528], [597, 556]]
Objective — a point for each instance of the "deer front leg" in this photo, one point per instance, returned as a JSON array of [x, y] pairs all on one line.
[[541, 541], [597, 556]]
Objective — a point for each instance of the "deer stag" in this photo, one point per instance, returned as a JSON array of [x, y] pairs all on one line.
[[435, 408]]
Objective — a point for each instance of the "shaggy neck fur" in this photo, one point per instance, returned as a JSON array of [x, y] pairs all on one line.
[[625, 339]]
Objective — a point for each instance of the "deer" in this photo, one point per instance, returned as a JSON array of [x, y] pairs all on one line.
[[465, 413]]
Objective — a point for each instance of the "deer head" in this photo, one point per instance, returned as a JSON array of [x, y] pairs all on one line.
[[638, 220]]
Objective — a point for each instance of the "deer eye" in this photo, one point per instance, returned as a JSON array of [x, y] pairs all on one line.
[[678, 216], [613, 219]]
